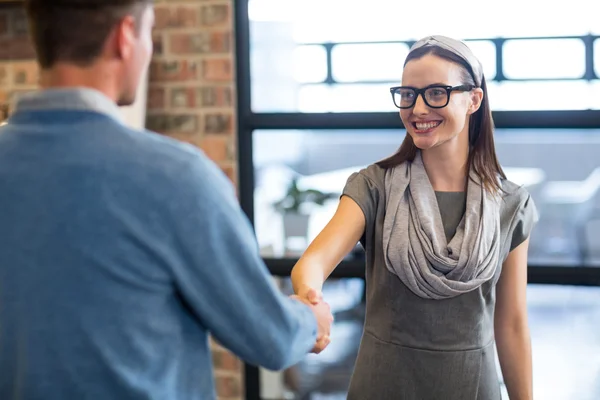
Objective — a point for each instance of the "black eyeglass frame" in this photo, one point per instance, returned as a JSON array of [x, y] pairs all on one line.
[[448, 89]]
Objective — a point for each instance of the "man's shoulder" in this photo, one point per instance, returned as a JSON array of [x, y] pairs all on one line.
[[152, 150], [154, 144]]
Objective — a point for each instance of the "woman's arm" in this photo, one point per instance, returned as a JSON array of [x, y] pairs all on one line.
[[328, 249], [511, 327]]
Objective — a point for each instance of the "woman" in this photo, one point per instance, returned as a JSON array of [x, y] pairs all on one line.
[[446, 238]]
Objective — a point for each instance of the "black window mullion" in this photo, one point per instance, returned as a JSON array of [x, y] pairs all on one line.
[[590, 73]]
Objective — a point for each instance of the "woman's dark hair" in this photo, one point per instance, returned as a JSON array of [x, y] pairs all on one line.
[[482, 156]]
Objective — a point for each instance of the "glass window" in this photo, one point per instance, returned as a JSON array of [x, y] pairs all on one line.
[[485, 51], [595, 89], [567, 194], [383, 20], [544, 95], [367, 39], [368, 62], [565, 341], [552, 58], [310, 64], [346, 98]]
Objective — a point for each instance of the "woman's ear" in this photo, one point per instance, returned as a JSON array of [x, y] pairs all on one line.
[[476, 99]]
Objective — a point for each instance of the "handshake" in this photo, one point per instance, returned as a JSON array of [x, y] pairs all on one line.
[[322, 313]]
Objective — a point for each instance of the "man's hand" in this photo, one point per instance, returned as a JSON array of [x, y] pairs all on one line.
[[324, 318]]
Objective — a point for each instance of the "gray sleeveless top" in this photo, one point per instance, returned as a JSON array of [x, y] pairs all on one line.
[[421, 349]]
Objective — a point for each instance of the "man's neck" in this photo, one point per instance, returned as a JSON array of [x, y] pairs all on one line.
[[68, 76]]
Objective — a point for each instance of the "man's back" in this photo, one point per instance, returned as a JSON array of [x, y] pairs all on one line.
[[113, 263]]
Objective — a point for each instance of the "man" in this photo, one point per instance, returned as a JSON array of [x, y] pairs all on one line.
[[122, 250]]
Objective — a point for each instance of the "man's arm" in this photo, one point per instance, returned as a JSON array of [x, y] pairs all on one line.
[[224, 280]]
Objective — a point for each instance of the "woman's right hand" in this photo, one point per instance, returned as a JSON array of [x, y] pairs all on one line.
[[314, 299], [313, 296]]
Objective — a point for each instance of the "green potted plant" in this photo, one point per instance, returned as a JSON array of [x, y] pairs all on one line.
[[295, 206]]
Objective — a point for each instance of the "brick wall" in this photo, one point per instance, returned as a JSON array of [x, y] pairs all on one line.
[[190, 98], [18, 70], [192, 77]]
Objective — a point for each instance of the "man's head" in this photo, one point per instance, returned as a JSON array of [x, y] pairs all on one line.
[[105, 43]]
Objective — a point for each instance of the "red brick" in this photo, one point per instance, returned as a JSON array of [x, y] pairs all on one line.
[[221, 123], [19, 48], [169, 123], [208, 96], [4, 74], [200, 43], [175, 71], [225, 361], [176, 17], [25, 73], [215, 15], [156, 98], [228, 386], [215, 96], [217, 69], [183, 97], [190, 138], [221, 42], [18, 22], [3, 23], [215, 147]]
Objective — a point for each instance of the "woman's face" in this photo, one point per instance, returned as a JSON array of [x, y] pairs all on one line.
[[431, 127]]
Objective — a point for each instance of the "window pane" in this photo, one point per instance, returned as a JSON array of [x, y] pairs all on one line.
[[565, 343], [567, 194], [549, 95], [368, 62], [310, 64], [485, 51], [383, 20], [346, 98], [278, 27], [595, 95], [555, 58]]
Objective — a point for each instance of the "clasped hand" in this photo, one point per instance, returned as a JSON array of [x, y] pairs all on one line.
[[322, 312]]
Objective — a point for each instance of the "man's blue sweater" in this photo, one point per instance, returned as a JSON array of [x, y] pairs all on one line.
[[120, 252]]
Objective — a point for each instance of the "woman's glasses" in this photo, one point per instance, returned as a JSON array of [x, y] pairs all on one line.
[[435, 96]]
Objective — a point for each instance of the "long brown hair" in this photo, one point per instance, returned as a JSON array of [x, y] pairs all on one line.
[[482, 155]]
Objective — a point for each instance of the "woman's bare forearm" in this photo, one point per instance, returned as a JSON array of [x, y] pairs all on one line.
[[328, 249], [308, 271], [514, 352]]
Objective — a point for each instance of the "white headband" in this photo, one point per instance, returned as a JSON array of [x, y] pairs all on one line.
[[457, 47]]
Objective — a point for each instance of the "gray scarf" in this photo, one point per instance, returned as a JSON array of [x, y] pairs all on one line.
[[414, 243]]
